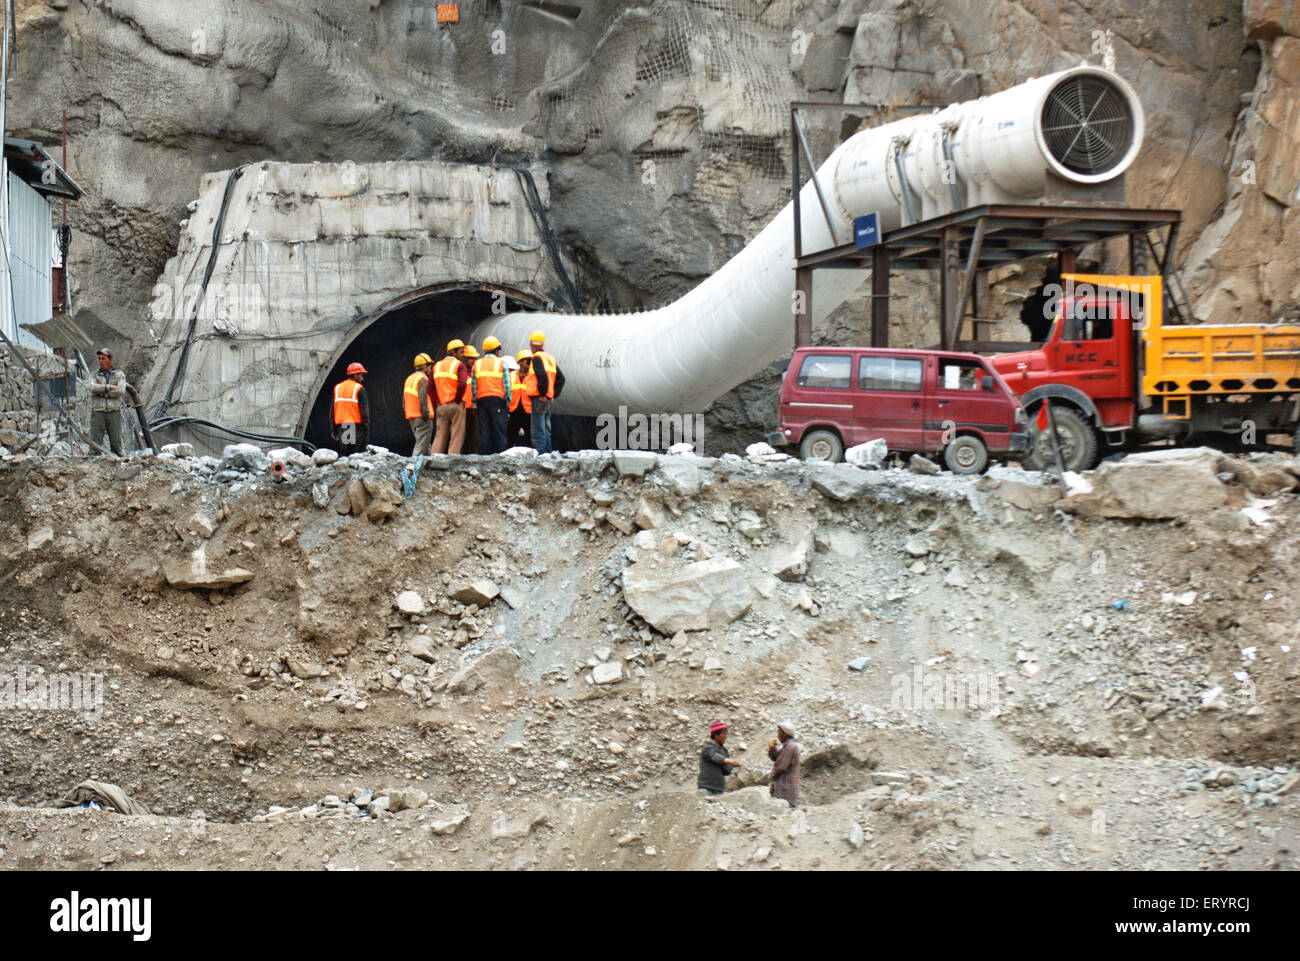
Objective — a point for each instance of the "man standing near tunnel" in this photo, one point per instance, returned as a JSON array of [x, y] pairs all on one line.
[[351, 412], [451, 386], [543, 381], [418, 406], [490, 386]]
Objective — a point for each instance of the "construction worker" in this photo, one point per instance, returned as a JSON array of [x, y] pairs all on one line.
[[107, 387], [543, 382], [490, 386], [418, 406], [715, 761], [451, 387], [471, 411], [518, 432], [351, 412]]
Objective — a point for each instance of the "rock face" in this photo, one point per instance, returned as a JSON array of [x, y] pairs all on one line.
[[673, 596], [693, 142]]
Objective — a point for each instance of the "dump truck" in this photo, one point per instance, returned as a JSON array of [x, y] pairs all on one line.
[[1117, 376]]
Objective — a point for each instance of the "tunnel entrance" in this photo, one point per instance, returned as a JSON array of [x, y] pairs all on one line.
[[423, 321]]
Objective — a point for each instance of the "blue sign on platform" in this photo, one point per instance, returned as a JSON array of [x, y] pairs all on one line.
[[866, 230]]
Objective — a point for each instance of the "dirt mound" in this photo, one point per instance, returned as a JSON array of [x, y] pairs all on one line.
[[972, 681]]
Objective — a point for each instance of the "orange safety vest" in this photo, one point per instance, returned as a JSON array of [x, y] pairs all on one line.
[[347, 409], [446, 379], [489, 376], [530, 380], [411, 394], [518, 395]]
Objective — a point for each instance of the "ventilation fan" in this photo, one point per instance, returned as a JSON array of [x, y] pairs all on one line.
[[1088, 124]]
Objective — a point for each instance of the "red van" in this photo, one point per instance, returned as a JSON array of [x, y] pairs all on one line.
[[923, 401]]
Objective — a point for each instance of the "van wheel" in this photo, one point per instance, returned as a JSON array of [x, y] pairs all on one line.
[[966, 455], [1078, 443], [821, 445]]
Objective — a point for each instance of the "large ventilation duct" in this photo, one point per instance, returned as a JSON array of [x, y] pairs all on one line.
[[1083, 125]]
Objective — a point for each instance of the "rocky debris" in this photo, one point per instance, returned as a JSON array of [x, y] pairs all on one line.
[[790, 561], [860, 663], [39, 538], [1020, 488], [291, 457], [923, 465], [870, 455], [324, 456], [306, 670], [679, 476], [672, 595], [649, 514], [764, 453], [244, 457], [422, 646], [447, 818], [177, 450], [481, 593], [607, 672], [193, 573], [493, 669], [513, 597], [410, 603], [839, 482], [635, 463], [749, 525], [1156, 485]]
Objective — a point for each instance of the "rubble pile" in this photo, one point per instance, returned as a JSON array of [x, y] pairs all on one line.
[[527, 644]]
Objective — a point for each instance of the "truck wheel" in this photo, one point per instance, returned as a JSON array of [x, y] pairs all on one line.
[[966, 455], [1078, 443], [821, 445]]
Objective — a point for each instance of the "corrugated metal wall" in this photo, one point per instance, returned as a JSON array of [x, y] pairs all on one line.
[[30, 257]]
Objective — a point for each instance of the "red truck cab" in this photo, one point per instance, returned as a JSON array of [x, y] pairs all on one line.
[[923, 401], [1089, 349]]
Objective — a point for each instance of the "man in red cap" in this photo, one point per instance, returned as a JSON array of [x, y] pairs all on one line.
[[715, 762]]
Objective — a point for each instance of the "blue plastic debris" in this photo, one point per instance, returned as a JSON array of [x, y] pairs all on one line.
[[1121, 604], [410, 476]]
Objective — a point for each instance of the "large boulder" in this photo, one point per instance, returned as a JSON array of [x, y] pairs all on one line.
[[840, 482], [673, 595], [1156, 485]]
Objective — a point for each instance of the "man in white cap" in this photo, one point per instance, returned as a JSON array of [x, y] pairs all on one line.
[[784, 752]]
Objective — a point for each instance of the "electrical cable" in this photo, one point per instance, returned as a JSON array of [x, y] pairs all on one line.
[[168, 399]]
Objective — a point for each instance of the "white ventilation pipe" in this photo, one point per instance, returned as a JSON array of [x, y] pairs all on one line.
[[1085, 125]]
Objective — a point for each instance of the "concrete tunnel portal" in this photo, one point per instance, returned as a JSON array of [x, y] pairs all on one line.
[[420, 321]]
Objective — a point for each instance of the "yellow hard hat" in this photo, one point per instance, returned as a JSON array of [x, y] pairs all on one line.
[[455, 345], [491, 343], [523, 354], [423, 360], [537, 337], [470, 351]]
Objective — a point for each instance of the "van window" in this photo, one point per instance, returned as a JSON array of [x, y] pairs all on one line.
[[960, 374], [889, 373], [826, 370]]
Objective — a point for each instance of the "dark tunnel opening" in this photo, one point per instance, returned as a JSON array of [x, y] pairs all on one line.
[[387, 349]]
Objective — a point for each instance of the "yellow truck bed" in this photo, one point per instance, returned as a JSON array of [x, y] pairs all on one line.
[[1182, 360]]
